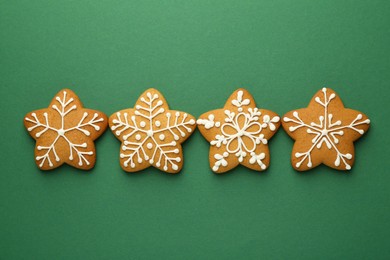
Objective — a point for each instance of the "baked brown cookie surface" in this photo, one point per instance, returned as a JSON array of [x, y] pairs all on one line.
[[64, 132], [151, 134], [239, 133], [324, 132]]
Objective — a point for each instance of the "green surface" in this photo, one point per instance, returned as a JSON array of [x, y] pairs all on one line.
[[196, 53]]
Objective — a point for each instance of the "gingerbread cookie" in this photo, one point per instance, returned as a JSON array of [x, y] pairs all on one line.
[[324, 132], [239, 133], [151, 134], [64, 132]]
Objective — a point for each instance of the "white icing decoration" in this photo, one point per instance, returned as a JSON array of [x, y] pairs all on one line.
[[325, 132], [208, 123], [220, 160], [63, 110], [251, 128], [168, 152], [239, 102], [257, 158]]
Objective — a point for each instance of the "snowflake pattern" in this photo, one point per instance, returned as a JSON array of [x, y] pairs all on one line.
[[326, 130], [239, 133], [151, 134], [65, 123]]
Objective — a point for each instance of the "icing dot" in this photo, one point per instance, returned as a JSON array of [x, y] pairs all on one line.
[[149, 146], [151, 161], [162, 137], [61, 132], [175, 167], [142, 124], [138, 137], [157, 123]]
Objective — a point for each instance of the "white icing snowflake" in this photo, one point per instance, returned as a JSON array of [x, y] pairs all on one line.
[[328, 128], [52, 126], [151, 134], [238, 133]]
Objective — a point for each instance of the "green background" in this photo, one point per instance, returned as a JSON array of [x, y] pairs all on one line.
[[196, 53]]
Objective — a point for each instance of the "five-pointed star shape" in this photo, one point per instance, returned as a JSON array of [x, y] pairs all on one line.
[[151, 134], [239, 133], [64, 132], [324, 132]]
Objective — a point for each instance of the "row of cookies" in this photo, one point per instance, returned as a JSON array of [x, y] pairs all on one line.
[[151, 134]]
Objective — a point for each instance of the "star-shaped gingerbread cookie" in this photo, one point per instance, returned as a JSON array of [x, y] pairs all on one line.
[[324, 132], [239, 133], [151, 134], [64, 132]]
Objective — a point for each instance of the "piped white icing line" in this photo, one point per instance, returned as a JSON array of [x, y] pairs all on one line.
[[63, 109], [168, 153], [251, 128], [325, 132]]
